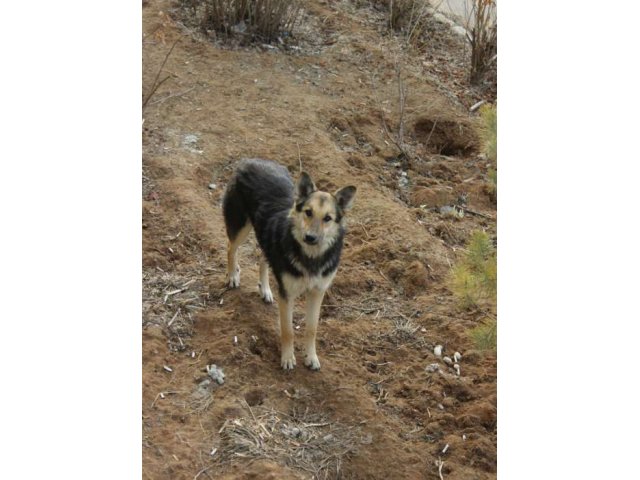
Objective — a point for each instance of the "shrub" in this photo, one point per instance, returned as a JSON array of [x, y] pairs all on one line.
[[482, 26], [485, 335], [488, 133], [261, 20], [491, 186], [474, 278], [474, 281]]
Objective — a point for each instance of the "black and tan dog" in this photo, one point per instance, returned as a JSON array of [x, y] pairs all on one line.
[[300, 231]]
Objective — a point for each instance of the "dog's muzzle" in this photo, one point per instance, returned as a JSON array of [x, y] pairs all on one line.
[[310, 239]]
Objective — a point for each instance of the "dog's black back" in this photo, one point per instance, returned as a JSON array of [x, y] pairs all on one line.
[[262, 192]]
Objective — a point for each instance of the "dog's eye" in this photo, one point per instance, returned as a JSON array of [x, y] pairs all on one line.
[[327, 218], [308, 213]]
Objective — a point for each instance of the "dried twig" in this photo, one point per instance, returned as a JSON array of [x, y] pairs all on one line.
[[179, 94], [203, 471], [155, 84], [161, 395], [473, 212], [439, 464]]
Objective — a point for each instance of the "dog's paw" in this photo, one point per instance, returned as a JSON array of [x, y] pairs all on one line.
[[265, 293], [312, 362], [233, 279], [288, 361]]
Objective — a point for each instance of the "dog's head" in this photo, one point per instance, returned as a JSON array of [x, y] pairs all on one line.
[[317, 216]]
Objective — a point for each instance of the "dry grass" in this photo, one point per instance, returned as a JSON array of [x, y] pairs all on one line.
[[170, 299], [404, 330], [302, 441]]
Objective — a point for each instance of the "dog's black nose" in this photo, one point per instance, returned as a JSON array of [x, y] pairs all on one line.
[[310, 239]]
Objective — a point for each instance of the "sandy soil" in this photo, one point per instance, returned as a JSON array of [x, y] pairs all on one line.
[[373, 411]]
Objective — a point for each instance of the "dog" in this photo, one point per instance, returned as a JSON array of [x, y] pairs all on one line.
[[300, 232]]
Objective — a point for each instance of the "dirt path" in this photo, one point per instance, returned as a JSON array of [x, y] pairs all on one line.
[[372, 411]]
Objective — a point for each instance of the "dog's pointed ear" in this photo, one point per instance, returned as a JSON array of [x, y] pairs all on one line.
[[305, 186], [345, 197]]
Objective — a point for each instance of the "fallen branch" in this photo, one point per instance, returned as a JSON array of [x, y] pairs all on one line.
[[473, 212]]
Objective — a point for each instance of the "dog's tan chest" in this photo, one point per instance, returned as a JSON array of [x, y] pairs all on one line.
[[296, 286]]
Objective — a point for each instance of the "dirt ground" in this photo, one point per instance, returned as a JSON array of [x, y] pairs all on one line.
[[374, 410]]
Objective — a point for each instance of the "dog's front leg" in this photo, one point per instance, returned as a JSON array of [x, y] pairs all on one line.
[[287, 359], [314, 302], [263, 285]]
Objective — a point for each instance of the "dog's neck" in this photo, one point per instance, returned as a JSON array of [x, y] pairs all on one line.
[[313, 259]]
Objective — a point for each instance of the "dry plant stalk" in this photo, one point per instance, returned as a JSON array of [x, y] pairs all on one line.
[[155, 85], [398, 139], [264, 20], [482, 35]]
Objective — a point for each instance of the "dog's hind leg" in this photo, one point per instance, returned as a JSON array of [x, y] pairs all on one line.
[[288, 358], [265, 289], [314, 302], [238, 227], [233, 269]]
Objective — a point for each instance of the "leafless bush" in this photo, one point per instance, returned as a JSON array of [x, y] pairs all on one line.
[[482, 28], [261, 20], [409, 17]]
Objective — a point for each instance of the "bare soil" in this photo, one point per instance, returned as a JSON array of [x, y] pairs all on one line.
[[373, 410]]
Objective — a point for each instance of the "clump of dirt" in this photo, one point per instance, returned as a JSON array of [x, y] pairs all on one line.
[[445, 137], [435, 196]]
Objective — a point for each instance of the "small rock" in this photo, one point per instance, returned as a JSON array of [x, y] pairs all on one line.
[[437, 350], [212, 186], [291, 431], [216, 373], [449, 211], [448, 361], [449, 402], [434, 367]]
